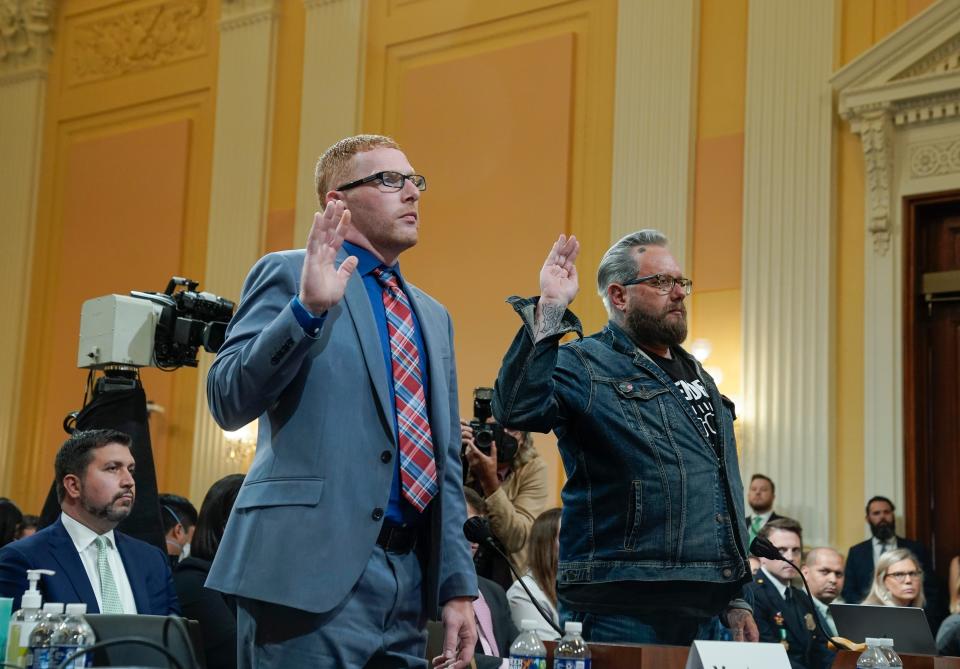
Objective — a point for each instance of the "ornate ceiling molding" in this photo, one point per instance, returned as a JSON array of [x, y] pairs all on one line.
[[137, 39], [26, 38], [239, 13]]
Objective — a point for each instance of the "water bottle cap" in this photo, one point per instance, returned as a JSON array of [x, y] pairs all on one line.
[[877, 642], [53, 607], [76, 609], [526, 625], [572, 627]]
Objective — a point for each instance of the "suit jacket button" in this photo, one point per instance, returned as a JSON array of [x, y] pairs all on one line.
[[377, 513], [386, 456]]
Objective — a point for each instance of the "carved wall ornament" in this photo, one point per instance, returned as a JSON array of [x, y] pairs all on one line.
[[944, 58], [26, 31], [239, 13], [136, 40], [876, 135], [935, 158]]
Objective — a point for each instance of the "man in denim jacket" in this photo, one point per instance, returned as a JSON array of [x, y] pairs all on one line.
[[652, 543]]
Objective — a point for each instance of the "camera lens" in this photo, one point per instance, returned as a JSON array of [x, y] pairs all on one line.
[[483, 439]]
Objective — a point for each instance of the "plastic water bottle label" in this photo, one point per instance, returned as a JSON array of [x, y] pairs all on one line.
[[41, 658], [571, 664], [60, 653], [527, 662]]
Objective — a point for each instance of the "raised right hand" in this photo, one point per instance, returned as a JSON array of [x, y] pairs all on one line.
[[558, 276], [322, 283]]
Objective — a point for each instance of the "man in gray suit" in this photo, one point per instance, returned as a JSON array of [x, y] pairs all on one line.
[[346, 536]]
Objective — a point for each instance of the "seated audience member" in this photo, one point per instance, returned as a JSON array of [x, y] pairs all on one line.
[[495, 628], [179, 521], [760, 496], [823, 570], [514, 490], [541, 577], [94, 564], [216, 613], [29, 526], [863, 557], [785, 614], [10, 521], [948, 636], [897, 580]]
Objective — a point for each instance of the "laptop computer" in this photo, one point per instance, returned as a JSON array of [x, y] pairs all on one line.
[[906, 625]]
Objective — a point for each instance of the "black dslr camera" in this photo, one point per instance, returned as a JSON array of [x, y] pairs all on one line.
[[484, 433]]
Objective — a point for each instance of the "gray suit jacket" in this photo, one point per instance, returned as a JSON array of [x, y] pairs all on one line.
[[307, 517]]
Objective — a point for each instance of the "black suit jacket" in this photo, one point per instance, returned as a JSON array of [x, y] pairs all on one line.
[[216, 612], [773, 516], [503, 628], [780, 620]]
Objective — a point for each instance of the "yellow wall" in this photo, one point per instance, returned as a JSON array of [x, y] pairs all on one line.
[[123, 199], [506, 108]]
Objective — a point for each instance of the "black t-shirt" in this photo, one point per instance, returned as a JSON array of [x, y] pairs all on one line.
[[643, 598]]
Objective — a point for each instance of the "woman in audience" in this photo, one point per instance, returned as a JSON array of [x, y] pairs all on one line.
[[897, 580], [10, 521], [29, 526], [216, 613], [542, 551]]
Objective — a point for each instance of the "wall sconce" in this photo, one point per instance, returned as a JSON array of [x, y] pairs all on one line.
[[241, 444]]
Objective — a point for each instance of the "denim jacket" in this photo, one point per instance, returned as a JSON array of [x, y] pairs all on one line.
[[649, 497]]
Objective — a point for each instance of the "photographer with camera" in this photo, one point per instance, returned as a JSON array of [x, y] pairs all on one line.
[[502, 465]]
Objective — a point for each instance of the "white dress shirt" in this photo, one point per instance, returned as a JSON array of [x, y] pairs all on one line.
[[521, 608], [879, 548], [84, 539], [777, 583]]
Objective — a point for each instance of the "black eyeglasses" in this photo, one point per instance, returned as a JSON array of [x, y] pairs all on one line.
[[664, 283], [390, 180]]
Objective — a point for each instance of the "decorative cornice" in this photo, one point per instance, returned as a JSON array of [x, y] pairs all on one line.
[[932, 108], [876, 135], [935, 158], [240, 13], [944, 58], [26, 38], [138, 39]]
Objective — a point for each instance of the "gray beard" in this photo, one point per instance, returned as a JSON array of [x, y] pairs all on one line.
[[648, 329]]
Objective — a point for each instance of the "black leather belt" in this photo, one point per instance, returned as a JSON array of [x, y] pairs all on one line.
[[397, 539]]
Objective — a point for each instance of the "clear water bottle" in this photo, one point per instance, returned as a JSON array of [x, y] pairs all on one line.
[[572, 651], [528, 651], [73, 634], [40, 653], [879, 653]]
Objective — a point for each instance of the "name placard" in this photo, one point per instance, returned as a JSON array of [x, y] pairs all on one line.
[[737, 655]]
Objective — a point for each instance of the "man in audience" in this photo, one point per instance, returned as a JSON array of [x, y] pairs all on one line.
[[823, 570], [636, 564], [785, 614], [94, 564], [760, 497], [862, 557], [179, 522]]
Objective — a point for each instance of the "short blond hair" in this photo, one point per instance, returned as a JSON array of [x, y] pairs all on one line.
[[332, 165]]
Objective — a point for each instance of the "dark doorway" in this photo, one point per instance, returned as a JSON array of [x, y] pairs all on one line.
[[932, 374]]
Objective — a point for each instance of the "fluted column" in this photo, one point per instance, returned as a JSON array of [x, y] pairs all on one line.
[[331, 93], [239, 188], [654, 119], [787, 270], [25, 46]]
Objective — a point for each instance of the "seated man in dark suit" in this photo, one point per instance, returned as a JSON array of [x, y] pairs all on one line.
[[861, 558], [785, 614], [108, 571]]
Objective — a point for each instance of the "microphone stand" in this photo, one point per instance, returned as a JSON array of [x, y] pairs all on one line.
[[479, 529], [762, 547]]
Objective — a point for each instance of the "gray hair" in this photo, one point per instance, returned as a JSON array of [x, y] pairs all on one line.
[[618, 263]]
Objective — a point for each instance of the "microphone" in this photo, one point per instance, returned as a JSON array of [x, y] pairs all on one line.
[[763, 548], [477, 530]]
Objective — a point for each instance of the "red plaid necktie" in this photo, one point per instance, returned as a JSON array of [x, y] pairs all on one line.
[[418, 470]]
